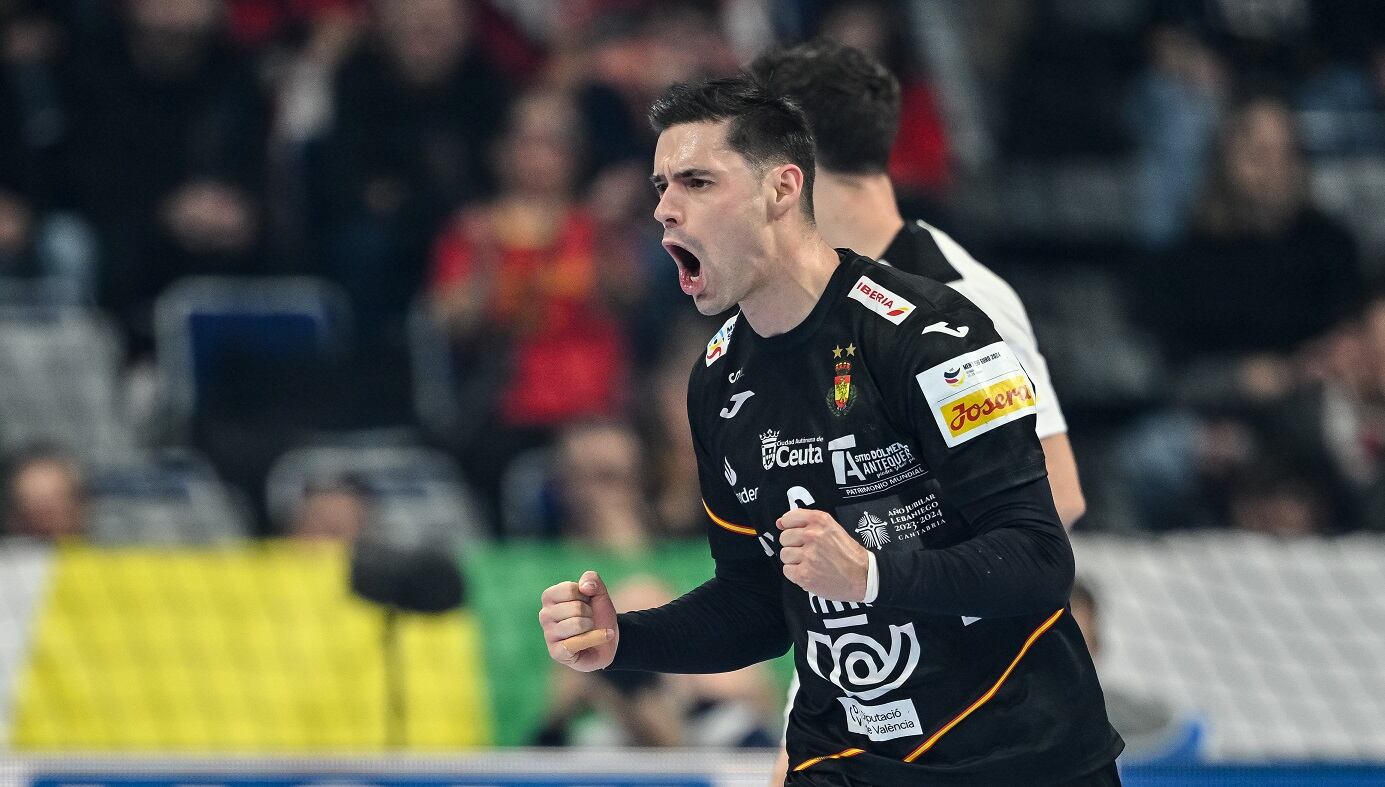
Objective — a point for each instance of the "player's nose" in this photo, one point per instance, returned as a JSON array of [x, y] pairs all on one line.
[[667, 211]]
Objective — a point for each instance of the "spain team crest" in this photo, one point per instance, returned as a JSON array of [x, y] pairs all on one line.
[[843, 392]]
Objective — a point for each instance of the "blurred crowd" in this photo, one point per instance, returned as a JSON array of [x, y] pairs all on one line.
[[477, 170]]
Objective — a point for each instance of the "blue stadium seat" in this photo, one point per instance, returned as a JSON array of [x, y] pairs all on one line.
[[208, 328]]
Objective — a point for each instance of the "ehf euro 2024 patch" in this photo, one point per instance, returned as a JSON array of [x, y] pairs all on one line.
[[721, 341], [976, 392]]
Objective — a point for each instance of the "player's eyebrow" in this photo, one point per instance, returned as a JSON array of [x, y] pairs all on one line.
[[682, 174]]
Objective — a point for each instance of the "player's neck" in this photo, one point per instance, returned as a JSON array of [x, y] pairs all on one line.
[[857, 212], [799, 266]]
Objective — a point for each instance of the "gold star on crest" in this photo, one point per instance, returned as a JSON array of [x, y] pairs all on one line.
[[836, 352], [851, 350]]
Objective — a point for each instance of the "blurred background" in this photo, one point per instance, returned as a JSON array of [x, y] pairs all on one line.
[[332, 331]]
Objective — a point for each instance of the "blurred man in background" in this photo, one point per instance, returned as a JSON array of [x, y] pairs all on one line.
[[167, 161], [852, 102], [416, 108]]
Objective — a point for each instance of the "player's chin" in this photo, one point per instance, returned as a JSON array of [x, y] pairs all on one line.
[[709, 305], [706, 306]]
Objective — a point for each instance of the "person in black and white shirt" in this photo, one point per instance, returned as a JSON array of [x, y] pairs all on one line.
[[876, 492]]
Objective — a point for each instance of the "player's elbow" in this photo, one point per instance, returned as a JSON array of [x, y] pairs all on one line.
[[1062, 571], [1071, 506], [1056, 571]]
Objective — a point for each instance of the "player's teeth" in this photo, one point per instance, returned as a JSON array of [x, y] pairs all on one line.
[[698, 277]]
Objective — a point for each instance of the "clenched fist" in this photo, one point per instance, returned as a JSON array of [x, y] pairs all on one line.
[[820, 557], [579, 623]]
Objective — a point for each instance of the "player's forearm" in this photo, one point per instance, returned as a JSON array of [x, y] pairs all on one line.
[[1063, 479], [731, 621], [1021, 564]]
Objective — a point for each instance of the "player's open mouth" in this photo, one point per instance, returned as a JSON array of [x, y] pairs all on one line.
[[689, 267]]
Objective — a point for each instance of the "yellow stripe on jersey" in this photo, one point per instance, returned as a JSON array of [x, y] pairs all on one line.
[[1038, 632], [841, 755], [734, 528]]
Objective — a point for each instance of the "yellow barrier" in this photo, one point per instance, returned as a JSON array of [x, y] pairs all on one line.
[[255, 648]]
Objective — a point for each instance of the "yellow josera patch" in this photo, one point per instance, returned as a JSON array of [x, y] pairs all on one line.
[[253, 649], [980, 407], [977, 391]]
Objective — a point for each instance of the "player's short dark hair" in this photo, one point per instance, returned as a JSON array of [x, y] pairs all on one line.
[[765, 129], [851, 100]]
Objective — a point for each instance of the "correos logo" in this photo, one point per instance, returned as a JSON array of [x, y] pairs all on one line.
[[861, 666]]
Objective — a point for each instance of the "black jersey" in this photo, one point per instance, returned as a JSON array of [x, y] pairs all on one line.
[[893, 406]]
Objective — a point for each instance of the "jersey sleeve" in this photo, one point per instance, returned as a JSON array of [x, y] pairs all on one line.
[[967, 400], [1006, 311], [983, 287], [729, 531]]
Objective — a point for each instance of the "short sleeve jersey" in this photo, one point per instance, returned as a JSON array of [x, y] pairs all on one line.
[[893, 401]]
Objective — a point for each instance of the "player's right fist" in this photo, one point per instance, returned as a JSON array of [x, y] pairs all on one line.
[[579, 623]]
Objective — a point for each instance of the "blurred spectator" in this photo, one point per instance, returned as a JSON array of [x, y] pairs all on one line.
[[1062, 97], [613, 708], [45, 495], [1282, 497], [257, 25], [168, 128], [1340, 96], [601, 487], [39, 239], [614, 58], [1237, 306], [1345, 421], [523, 287], [1262, 271], [1173, 110], [334, 510], [416, 108], [673, 465], [919, 159], [1152, 729]]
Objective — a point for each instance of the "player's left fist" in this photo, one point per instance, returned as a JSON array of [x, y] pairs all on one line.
[[820, 557]]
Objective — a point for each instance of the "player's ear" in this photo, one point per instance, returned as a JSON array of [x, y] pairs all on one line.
[[785, 185]]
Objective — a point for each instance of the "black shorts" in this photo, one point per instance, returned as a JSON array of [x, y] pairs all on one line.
[[1106, 776]]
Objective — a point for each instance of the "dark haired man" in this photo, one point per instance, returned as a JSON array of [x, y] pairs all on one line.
[[874, 487], [852, 102]]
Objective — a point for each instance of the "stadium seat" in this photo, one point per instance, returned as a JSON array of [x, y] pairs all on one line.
[[211, 333], [419, 495], [174, 498], [434, 374], [59, 383], [528, 505], [1353, 190]]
